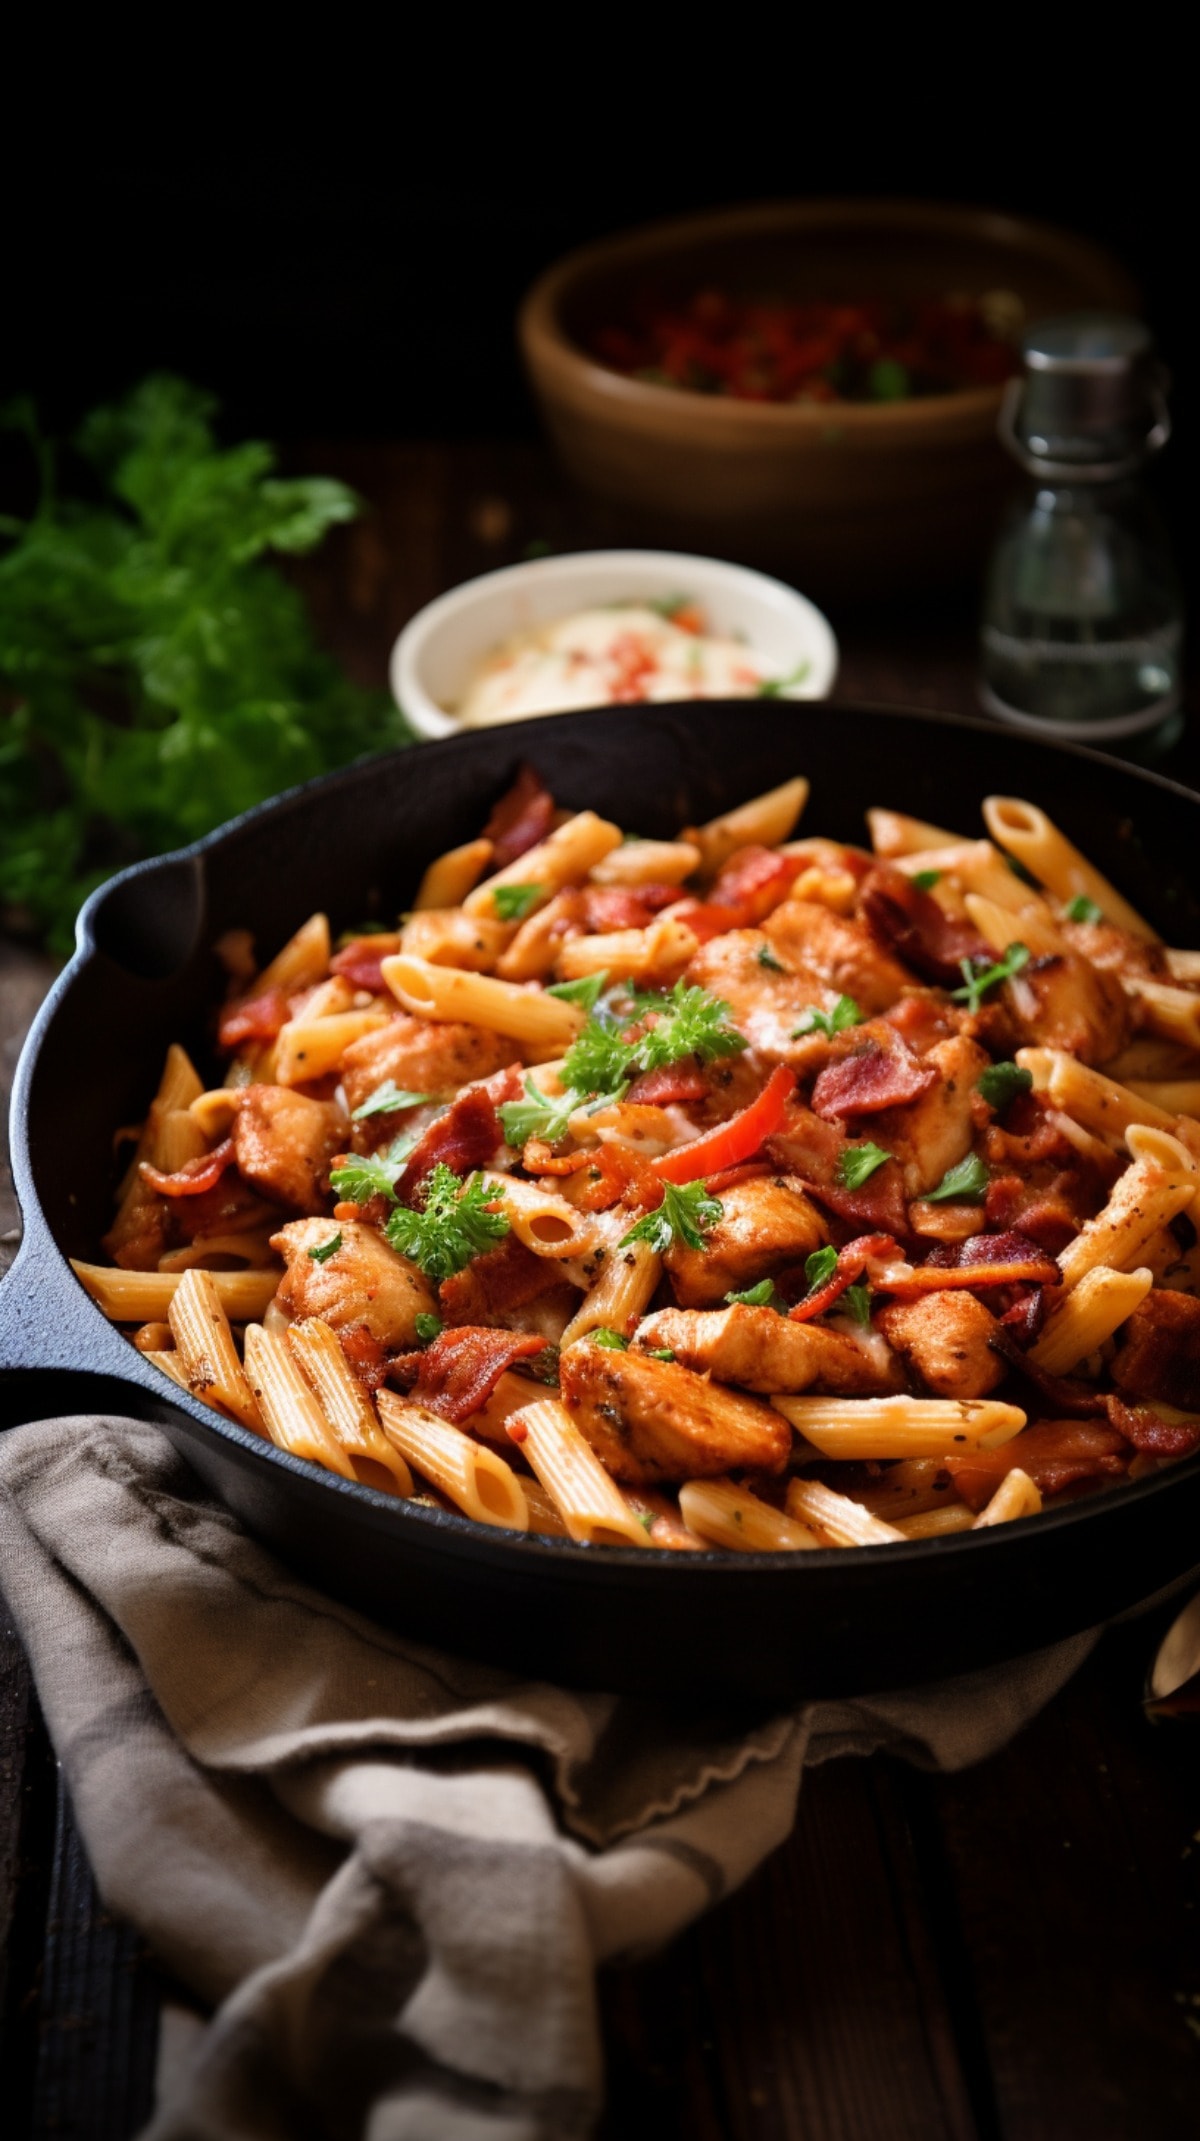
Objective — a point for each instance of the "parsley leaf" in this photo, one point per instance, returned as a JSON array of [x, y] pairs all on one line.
[[403, 1147], [820, 1266], [969, 1179], [454, 1226], [858, 1300], [682, 1216], [1001, 1082], [686, 1022], [925, 880], [1083, 909], [773, 687], [358, 1180], [163, 674], [585, 991], [428, 1328], [660, 1353], [544, 1115], [325, 1249], [766, 957], [513, 902], [388, 1099], [978, 979], [856, 1163], [761, 1296], [604, 1335], [844, 1013]]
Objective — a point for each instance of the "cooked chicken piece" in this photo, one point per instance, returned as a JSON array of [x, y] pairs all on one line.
[[766, 1222], [766, 1005], [421, 1057], [934, 1133], [1104, 945], [1065, 1003], [283, 1143], [943, 1339], [650, 1419], [362, 1282], [762, 1350], [842, 953]]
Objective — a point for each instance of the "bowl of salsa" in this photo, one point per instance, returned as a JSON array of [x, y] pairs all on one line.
[[809, 386]]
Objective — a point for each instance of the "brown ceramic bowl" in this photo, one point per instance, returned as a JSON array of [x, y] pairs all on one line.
[[850, 498]]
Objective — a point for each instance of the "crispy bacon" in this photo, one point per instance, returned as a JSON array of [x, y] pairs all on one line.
[[879, 1072], [458, 1372], [706, 920], [361, 963], [255, 1018], [1150, 1433], [911, 924], [1066, 1394], [851, 1264], [364, 1353], [672, 1082], [608, 907], [745, 1172], [467, 1136], [753, 881], [195, 1176], [879, 1203], [496, 1285], [522, 817], [1055, 1454]]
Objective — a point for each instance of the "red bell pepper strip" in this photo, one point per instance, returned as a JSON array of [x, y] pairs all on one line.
[[852, 1261], [738, 1139]]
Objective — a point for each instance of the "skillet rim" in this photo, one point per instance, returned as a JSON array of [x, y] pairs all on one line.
[[494, 1543]]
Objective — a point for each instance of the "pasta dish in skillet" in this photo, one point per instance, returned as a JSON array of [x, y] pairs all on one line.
[[739, 1190]]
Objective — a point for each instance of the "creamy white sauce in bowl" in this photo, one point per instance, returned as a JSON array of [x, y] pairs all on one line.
[[607, 628]]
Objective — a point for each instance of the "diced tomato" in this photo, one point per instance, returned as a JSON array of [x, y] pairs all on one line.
[[733, 1141]]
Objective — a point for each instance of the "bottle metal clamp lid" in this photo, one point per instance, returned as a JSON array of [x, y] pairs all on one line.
[[1091, 405]]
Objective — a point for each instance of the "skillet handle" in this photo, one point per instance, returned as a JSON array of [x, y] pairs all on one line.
[[57, 1355]]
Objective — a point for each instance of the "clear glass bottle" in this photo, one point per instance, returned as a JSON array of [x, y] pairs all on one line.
[[1083, 622]]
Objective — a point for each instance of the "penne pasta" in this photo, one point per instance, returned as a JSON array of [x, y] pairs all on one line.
[[1098, 1102], [309, 1048], [1143, 1200], [893, 834], [642, 955], [447, 992], [937, 1523], [621, 1294], [346, 1405], [204, 1343], [301, 964], [171, 1364], [146, 1296], [1027, 833], [590, 1502], [1090, 1313], [451, 876], [721, 1514], [448, 937], [1165, 1009], [836, 1518], [1031, 925], [543, 1220], [291, 1414], [866, 1428], [1164, 1098], [1016, 1496], [476, 1480], [645, 862], [765, 821], [564, 858]]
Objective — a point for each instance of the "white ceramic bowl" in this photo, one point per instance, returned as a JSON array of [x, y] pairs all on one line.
[[439, 649]]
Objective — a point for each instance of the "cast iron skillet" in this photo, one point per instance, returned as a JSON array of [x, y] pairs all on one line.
[[765, 1627]]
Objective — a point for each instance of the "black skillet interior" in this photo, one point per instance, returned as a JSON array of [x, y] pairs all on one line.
[[753, 1626]]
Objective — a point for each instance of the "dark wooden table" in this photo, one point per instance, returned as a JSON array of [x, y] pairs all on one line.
[[1009, 1954]]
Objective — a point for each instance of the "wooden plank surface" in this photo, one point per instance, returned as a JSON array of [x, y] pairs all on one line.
[[1010, 1954]]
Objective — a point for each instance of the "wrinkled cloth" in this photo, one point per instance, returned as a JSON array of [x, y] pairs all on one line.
[[391, 1873]]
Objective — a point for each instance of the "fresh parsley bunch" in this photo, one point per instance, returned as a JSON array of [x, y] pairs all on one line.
[[158, 674]]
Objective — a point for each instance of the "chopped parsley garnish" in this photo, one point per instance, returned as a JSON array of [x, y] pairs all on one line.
[[454, 1226], [513, 902], [686, 1022], [925, 880], [358, 1180], [820, 1266], [428, 1328], [761, 1296], [1083, 909], [543, 1115], [604, 1335], [1001, 1082], [387, 1099], [773, 686], [659, 1353], [403, 1147], [844, 1013], [978, 979], [1019, 870], [858, 1300], [683, 1215], [586, 991], [969, 1179], [858, 1162], [325, 1249], [766, 957]]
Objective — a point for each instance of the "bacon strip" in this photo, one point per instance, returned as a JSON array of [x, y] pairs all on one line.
[[195, 1176], [880, 1072], [1055, 1454], [879, 1203], [1149, 1432], [467, 1136], [608, 907], [494, 1285], [458, 1373], [1068, 1394], [361, 963], [912, 924], [672, 1082], [522, 817], [851, 1264], [255, 1018], [753, 882]]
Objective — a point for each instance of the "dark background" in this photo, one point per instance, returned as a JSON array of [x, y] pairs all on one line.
[[339, 251]]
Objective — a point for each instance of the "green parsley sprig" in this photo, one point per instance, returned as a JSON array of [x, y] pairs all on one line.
[[325, 1249], [388, 1099], [685, 1022], [360, 1178], [456, 1224], [513, 902], [857, 1163], [845, 1013], [1082, 909], [684, 1215], [1001, 1082], [978, 979], [969, 1179], [761, 1296]]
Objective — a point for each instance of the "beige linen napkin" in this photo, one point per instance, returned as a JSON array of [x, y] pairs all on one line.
[[391, 1873]]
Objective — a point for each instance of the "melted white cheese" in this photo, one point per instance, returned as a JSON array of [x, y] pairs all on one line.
[[604, 657]]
